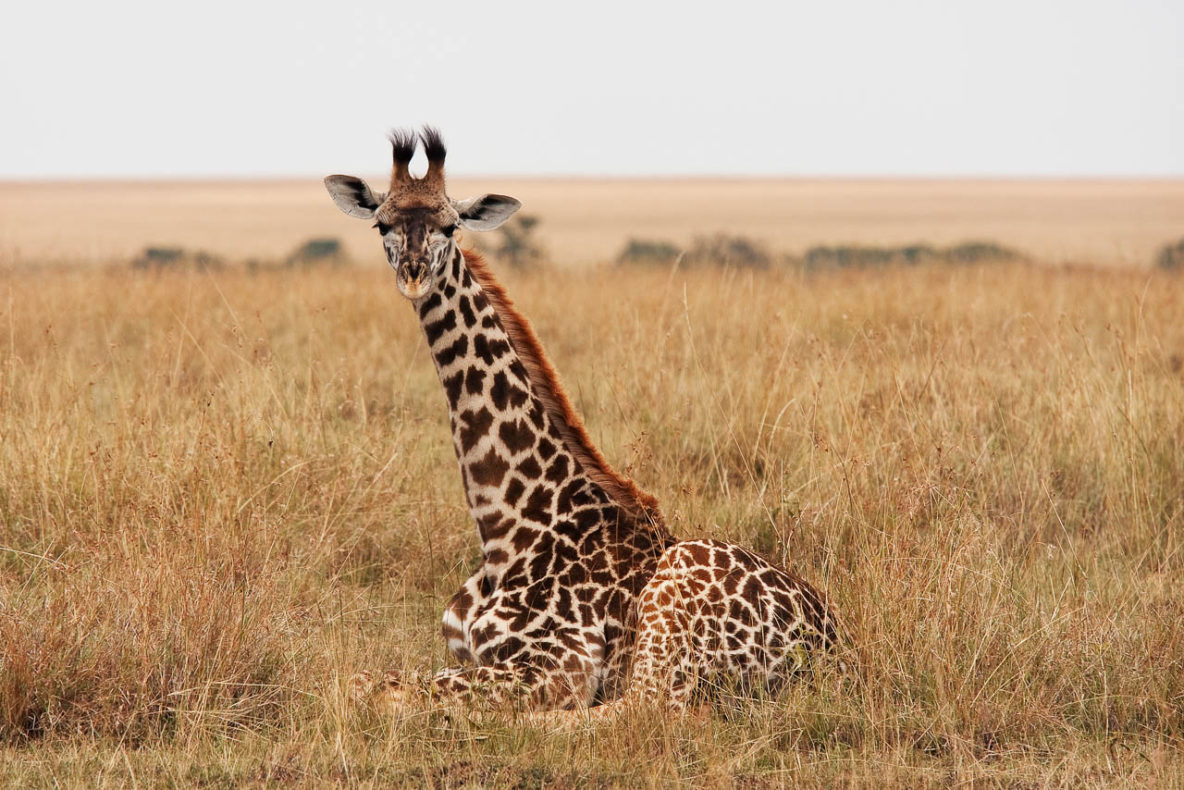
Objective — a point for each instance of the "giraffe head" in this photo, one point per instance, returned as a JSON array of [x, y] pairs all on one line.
[[416, 218]]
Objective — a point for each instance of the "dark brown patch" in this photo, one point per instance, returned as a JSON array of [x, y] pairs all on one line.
[[498, 349], [452, 387], [587, 519], [516, 435], [467, 313], [541, 565], [751, 591], [474, 425], [509, 647], [490, 470], [568, 529], [499, 391], [563, 604], [447, 355], [494, 527], [434, 330], [700, 554], [514, 491], [557, 472], [538, 505], [474, 381], [732, 582], [430, 304], [530, 469], [524, 538], [563, 503]]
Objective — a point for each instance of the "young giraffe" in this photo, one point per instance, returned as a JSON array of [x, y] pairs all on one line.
[[580, 583]]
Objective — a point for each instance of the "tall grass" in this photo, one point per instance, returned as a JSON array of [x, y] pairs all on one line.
[[222, 493]]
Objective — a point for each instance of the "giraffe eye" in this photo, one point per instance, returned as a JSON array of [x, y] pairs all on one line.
[[383, 228], [448, 231]]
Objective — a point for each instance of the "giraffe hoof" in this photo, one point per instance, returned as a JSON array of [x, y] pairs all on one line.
[[393, 688], [389, 689]]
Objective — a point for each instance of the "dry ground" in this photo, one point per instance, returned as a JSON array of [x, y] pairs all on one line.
[[221, 493], [1111, 223]]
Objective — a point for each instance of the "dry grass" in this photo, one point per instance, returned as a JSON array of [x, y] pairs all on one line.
[[221, 493], [1109, 223]]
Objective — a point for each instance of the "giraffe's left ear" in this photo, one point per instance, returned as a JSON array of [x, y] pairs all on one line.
[[353, 196], [486, 212]]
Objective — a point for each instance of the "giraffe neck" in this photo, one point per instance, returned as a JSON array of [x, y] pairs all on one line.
[[523, 472]]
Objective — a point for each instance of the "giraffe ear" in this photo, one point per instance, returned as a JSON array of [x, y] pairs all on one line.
[[352, 196], [486, 212]]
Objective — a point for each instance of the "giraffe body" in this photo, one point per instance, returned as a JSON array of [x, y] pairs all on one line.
[[580, 580], [714, 613]]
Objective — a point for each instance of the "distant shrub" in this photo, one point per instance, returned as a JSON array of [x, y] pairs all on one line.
[[318, 251], [175, 258], [724, 250], [969, 252], [982, 252], [718, 250], [1171, 257], [162, 256], [648, 251], [515, 244], [851, 255]]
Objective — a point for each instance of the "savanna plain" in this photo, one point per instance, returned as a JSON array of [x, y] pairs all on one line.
[[223, 490]]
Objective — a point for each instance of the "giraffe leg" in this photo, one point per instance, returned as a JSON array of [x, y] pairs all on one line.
[[663, 677], [459, 612], [508, 687]]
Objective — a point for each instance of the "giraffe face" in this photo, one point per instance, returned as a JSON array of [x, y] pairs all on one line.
[[418, 243], [418, 225]]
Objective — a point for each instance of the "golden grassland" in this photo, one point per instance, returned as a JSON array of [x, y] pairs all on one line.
[[1109, 223], [222, 493]]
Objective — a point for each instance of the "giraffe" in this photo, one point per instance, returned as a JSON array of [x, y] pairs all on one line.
[[583, 596]]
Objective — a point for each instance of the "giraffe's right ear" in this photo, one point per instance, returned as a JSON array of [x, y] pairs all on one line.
[[352, 196]]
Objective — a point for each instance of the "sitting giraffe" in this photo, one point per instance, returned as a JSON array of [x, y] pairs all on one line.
[[582, 596]]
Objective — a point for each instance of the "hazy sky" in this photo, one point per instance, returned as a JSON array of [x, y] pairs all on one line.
[[870, 87]]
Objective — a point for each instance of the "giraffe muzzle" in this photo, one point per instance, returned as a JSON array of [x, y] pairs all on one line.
[[413, 278]]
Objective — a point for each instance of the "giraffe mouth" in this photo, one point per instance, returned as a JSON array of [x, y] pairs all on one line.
[[413, 286], [413, 289], [413, 279]]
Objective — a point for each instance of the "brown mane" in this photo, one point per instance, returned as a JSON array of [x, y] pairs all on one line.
[[545, 383]]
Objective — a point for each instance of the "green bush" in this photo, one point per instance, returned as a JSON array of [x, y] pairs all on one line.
[[317, 251], [724, 250], [852, 255], [174, 258], [648, 251], [515, 244], [968, 252], [718, 250], [1171, 256]]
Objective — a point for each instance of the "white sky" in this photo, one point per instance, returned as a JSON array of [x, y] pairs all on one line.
[[863, 87]]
